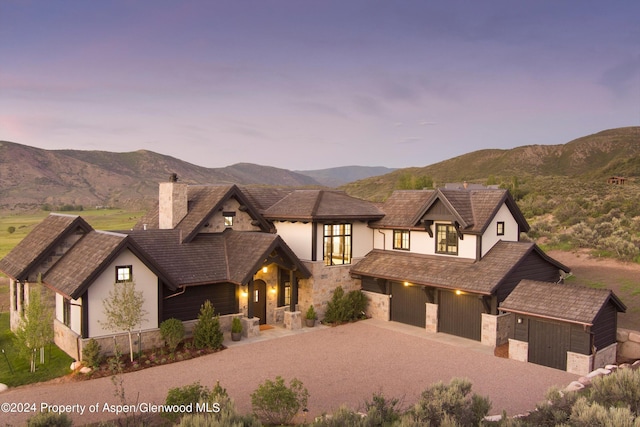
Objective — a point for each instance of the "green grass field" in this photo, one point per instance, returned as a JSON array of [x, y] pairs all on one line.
[[103, 219]]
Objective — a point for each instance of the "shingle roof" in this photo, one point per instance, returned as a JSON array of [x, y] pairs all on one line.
[[483, 276], [571, 303], [402, 208], [39, 242], [308, 205], [75, 270], [232, 256], [264, 197]]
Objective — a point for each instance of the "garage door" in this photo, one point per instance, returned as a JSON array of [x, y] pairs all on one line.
[[460, 315], [548, 343], [408, 304]]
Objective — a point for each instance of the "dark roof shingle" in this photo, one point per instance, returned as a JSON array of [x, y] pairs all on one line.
[[307, 205]]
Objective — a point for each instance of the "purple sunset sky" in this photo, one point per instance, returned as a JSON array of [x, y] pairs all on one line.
[[315, 84]]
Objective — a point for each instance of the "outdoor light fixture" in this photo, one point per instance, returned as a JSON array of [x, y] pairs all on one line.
[[406, 283], [265, 269], [458, 292]]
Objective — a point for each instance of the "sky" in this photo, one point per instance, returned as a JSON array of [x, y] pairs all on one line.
[[303, 85]]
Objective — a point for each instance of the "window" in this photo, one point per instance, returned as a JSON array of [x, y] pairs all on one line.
[[446, 239], [228, 218], [66, 312], [500, 228], [401, 239], [337, 244], [124, 273]]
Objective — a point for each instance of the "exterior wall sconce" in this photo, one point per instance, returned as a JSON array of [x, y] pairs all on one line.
[[265, 269], [406, 283], [458, 292], [273, 289], [244, 294]]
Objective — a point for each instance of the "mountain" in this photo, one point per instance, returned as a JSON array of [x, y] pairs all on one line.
[[590, 158], [334, 177], [31, 177]]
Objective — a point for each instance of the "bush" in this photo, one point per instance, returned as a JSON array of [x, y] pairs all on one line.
[[382, 411], [345, 308], [311, 313], [172, 331], [11, 229], [192, 393], [49, 419], [449, 404], [207, 332], [92, 353], [236, 325], [275, 403]]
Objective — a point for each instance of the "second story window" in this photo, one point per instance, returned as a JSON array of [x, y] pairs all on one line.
[[401, 239], [500, 228], [124, 273], [337, 244], [228, 218], [446, 239]]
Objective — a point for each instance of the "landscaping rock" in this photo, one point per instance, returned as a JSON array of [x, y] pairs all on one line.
[[3, 387], [634, 336], [622, 335], [598, 373], [584, 381], [85, 370], [629, 350], [75, 365], [574, 386]]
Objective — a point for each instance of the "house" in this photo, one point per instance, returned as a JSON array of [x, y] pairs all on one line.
[[445, 260], [565, 327]]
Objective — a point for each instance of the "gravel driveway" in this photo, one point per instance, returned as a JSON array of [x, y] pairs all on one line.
[[341, 365]]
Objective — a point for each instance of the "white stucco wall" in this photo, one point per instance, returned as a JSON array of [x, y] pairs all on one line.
[[145, 280], [362, 239], [297, 235], [511, 232], [421, 243]]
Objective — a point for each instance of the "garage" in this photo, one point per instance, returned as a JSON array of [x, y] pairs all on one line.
[[460, 314], [549, 343], [408, 304]]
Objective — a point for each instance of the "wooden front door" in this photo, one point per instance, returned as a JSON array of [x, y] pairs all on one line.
[[259, 300]]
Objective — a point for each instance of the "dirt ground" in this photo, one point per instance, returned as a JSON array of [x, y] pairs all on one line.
[[623, 278]]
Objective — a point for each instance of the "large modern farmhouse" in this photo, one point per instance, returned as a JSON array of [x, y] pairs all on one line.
[[445, 260]]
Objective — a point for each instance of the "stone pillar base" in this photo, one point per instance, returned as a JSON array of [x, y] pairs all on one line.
[[250, 327], [432, 318], [518, 350], [292, 320]]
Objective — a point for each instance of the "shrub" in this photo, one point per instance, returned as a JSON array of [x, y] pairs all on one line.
[[382, 411], [11, 229], [311, 313], [236, 325], [344, 416], [192, 393], [345, 308], [620, 389], [49, 419], [172, 331], [275, 403], [207, 332], [92, 353], [446, 404]]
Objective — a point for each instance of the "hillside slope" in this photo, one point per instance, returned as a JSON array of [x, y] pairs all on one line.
[[593, 157]]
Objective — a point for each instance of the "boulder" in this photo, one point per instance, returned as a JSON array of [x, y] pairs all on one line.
[[3, 387], [76, 365], [629, 350], [598, 373], [634, 336], [574, 386], [85, 370], [622, 335]]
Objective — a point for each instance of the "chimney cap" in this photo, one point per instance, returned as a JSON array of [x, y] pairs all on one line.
[[173, 177]]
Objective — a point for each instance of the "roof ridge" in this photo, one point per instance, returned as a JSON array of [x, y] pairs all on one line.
[[316, 205]]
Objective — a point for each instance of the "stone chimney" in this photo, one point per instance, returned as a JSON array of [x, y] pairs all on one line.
[[172, 203]]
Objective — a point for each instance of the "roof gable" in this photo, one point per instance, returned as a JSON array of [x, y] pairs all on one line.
[[571, 303], [403, 208], [40, 242]]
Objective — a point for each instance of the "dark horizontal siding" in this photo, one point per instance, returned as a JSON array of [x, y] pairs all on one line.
[[521, 330], [534, 267], [580, 341], [223, 297]]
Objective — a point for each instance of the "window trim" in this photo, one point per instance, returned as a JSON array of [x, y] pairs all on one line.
[[124, 267], [66, 312], [228, 218], [345, 238], [405, 240], [449, 230], [500, 228]]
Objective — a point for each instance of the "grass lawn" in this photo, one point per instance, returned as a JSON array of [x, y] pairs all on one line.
[[103, 219], [57, 362]]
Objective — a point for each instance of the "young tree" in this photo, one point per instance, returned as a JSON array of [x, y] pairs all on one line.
[[123, 310], [35, 329]]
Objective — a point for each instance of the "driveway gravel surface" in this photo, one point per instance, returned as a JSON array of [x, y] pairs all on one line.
[[340, 365]]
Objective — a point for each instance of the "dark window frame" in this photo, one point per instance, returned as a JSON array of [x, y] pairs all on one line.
[[403, 237], [500, 228], [447, 241], [66, 312], [343, 238], [130, 274], [228, 218]]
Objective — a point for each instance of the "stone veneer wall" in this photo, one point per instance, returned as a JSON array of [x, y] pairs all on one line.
[[606, 356], [318, 289], [579, 364], [496, 329], [518, 350], [378, 306], [431, 324]]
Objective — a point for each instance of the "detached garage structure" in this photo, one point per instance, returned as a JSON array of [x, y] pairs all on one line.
[[567, 327]]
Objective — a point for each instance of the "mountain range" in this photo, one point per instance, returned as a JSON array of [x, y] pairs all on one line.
[[31, 177]]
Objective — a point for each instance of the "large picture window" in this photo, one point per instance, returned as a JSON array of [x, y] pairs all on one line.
[[401, 239], [337, 244], [446, 239]]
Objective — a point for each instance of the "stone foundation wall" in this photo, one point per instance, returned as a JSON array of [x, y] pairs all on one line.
[[431, 324], [378, 306], [628, 344], [579, 364], [318, 289], [606, 356], [518, 350], [496, 329]]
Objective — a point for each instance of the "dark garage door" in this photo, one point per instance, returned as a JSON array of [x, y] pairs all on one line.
[[408, 304], [460, 315], [548, 343]]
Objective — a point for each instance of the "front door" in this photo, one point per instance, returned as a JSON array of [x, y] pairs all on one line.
[[259, 300]]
